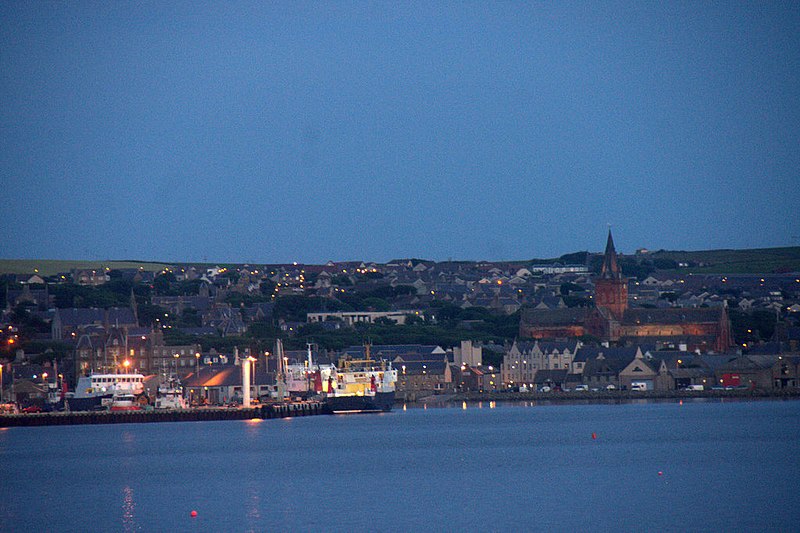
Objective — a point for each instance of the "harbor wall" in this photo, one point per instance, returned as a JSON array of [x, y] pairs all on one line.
[[269, 411]]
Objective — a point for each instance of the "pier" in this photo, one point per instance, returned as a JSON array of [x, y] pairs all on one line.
[[267, 411]]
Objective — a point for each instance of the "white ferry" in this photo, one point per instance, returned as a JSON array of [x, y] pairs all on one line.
[[98, 390]]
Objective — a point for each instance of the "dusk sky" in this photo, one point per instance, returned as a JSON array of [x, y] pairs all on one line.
[[270, 132]]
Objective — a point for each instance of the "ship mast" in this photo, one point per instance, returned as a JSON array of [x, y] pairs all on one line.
[[281, 371]]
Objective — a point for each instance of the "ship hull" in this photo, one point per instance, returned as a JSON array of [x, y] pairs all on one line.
[[86, 403], [382, 402]]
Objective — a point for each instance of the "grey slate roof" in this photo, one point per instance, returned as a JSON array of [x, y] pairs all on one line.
[[84, 316], [670, 316], [556, 317]]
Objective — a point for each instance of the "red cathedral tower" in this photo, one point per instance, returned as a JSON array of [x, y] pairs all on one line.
[[611, 288]]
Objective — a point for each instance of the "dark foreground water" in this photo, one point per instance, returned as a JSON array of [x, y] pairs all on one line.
[[653, 466]]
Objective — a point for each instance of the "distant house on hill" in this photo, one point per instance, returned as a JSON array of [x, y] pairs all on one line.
[[90, 276]]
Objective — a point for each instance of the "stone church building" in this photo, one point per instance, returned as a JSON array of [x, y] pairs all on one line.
[[706, 329]]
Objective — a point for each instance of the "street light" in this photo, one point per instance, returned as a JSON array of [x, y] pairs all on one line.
[[197, 359], [176, 356]]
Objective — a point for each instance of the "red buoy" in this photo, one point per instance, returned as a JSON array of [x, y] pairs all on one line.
[[193, 514], [660, 473], [594, 436]]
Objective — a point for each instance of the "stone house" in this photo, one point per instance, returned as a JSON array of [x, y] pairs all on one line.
[[423, 376], [525, 358]]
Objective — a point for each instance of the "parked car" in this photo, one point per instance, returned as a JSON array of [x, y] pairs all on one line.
[[611, 386], [32, 409], [545, 389]]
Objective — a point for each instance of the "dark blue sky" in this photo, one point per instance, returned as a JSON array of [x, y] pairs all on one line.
[[272, 132]]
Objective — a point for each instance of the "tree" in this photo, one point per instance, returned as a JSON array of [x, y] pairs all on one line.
[[190, 318], [753, 326], [342, 280], [413, 320], [262, 330], [577, 258], [662, 263], [148, 314], [569, 287], [377, 304], [296, 308], [576, 301], [162, 285]]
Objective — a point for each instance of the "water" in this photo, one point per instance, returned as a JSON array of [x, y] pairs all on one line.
[[724, 466]]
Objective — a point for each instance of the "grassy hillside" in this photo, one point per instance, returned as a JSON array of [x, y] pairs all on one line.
[[755, 261], [49, 267]]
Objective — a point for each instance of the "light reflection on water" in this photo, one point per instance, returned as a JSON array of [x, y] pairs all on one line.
[[128, 508], [253, 496]]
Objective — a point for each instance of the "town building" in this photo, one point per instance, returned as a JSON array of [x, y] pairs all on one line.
[[366, 317], [525, 359]]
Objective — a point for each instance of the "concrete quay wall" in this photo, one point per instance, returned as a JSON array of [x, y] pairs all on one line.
[[269, 411]]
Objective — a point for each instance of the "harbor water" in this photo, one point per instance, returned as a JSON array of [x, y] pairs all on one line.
[[652, 466]]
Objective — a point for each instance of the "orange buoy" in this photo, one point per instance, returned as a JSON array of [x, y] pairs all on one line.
[[193, 514]]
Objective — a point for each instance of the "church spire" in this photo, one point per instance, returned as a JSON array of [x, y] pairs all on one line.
[[610, 268], [611, 288]]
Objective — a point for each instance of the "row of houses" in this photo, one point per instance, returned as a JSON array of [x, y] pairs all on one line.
[[568, 364]]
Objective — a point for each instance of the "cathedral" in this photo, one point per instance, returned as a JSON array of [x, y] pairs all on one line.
[[611, 320]]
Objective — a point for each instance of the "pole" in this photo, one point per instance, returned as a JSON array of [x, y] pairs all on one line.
[[246, 383], [281, 385]]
